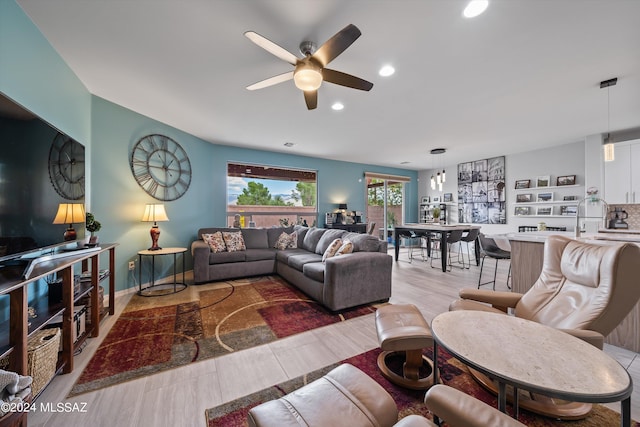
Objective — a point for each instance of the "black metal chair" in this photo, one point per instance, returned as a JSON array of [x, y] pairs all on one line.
[[489, 248], [454, 237], [468, 238]]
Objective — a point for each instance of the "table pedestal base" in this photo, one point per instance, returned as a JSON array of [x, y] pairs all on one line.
[[412, 364], [537, 403]]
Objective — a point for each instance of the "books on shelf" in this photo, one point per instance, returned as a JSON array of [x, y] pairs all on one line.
[[86, 275]]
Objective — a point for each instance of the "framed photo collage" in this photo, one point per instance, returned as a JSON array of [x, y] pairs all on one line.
[[481, 192]]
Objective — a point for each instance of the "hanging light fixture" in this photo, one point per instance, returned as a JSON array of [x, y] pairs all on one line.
[[609, 153], [440, 177]]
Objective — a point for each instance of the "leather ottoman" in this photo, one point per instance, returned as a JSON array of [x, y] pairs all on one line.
[[403, 332]]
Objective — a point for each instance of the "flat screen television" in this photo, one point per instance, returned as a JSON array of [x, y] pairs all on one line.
[[40, 168]]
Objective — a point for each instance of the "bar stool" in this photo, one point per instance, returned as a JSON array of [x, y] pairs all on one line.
[[489, 248], [468, 238], [454, 237]]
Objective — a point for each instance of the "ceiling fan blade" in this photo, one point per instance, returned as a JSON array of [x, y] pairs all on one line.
[[343, 79], [271, 81], [311, 98], [271, 47], [337, 44]]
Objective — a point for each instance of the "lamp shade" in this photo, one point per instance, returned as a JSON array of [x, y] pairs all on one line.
[[154, 213], [69, 213]]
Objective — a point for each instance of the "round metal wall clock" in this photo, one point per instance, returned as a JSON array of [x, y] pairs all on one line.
[[66, 167], [161, 167]]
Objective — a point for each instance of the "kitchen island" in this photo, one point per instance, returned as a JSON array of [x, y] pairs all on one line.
[[527, 253]]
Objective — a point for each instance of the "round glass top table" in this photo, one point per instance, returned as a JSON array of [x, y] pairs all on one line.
[[160, 289], [533, 357]]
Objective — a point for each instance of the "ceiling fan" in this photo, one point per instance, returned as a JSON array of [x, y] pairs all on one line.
[[310, 71]]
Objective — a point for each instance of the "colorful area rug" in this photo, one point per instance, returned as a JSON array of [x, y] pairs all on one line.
[[201, 322], [453, 373]]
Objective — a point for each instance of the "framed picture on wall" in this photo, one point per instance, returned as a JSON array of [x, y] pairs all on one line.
[[425, 199], [543, 181], [524, 198], [522, 210], [566, 180], [565, 198], [544, 210], [447, 197], [523, 183], [545, 197], [435, 199]]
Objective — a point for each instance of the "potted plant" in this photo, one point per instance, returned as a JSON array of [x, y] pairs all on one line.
[[92, 226], [436, 214]]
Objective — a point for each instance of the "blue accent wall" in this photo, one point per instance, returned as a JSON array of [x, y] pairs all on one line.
[[35, 76]]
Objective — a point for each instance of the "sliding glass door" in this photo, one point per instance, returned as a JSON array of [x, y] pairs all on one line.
[[385, 207]]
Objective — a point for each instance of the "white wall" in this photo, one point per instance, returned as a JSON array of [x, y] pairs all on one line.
[[568, 159]]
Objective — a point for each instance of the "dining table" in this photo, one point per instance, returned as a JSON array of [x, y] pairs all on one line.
[[430, 231]]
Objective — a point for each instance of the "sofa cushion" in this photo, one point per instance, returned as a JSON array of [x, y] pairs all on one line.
[[274, 232], [327, 238], [225, 257], [260, 254], [332, 249], [298, 261], [314, 270], [311, 239], [283, 256], [215, 241], [255, 238], [234, 241], [363, 242]]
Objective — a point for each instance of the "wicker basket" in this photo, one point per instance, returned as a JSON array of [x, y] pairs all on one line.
[[42, 357]]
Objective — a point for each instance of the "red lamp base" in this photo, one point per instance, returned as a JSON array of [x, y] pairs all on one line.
[[155, 235], [70, 234]]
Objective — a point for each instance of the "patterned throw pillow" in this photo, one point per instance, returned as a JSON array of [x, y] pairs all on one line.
[[346, 248], [332, 249], [287, 241], [215, 242], [234, 241]]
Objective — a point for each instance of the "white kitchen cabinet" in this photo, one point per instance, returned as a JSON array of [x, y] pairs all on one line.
[[622, 176]]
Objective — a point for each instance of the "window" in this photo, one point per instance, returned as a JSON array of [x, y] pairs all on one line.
[[266, 196]]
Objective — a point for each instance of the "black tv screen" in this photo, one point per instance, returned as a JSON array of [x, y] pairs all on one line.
[[34, 180]]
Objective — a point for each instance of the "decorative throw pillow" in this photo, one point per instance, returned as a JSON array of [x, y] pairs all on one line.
[[215, 242], [234, 241], [287, 241], [332, 249], [346, 248], [293, 244]]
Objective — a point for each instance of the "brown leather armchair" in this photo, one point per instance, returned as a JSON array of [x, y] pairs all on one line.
[[347, 396], [584, 289]]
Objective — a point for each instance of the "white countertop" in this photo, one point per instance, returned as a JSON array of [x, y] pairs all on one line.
[[541, 236]]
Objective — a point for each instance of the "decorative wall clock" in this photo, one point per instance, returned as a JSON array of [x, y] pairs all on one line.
[[66, 167], [161, 167]]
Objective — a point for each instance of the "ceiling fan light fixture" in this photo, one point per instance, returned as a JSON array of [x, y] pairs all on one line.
[[386, 71], [307, 78], [475, 8]]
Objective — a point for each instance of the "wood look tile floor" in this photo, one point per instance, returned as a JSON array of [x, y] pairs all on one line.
[[180, 396]]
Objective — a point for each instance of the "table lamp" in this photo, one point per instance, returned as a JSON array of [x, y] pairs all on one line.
[[68, 213], [154, 213]]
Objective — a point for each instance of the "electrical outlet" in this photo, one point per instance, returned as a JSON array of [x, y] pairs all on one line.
[[132, 265]]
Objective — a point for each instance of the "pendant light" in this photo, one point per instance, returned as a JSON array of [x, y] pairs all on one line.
[[440, 177], [609, 153]]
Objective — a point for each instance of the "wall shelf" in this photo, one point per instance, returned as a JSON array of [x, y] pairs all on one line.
[[545, 216], [551, 187], [559, 202]]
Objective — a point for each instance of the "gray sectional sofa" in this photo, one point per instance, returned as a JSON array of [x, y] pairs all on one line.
[[340, 282]]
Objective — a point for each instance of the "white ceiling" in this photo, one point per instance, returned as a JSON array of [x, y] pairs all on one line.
[[523, 75]]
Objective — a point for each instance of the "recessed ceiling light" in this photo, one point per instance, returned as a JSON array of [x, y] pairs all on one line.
[[475, 8], [289, 144], [386, 71], [337, 106]]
